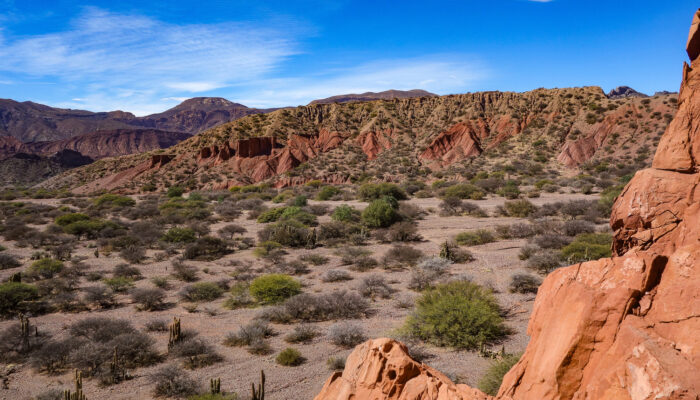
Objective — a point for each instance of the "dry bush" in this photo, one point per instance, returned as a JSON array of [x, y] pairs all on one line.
[[195, 353], [184, 272], [321, 307], [148, 299], [336, 275], [524, 283], [375, 286], [302, 334], [404, 232], [127, 271], [172, 381], [399, 256], [346, 334]]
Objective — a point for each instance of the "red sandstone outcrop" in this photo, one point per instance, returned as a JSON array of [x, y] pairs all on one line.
[[382, 369], [618, 328], [260, 158], [461, 141], [373, 143]]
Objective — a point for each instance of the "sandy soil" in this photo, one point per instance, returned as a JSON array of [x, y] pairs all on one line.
[[494, 265]]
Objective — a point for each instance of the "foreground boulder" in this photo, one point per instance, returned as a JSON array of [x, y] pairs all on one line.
[[626, 327]]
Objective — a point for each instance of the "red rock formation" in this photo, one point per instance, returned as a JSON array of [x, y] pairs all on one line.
[[9, 146], [618, 328], [461, 141], [261, 158], [382, 369], [373, 143]]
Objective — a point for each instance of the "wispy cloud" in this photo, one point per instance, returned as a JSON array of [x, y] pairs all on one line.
[[141, 59], [441, 73]]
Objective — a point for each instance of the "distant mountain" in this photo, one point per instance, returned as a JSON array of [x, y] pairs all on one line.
[[196, 115], [114, 143], [31, 122], [622, 92], [368, 96]]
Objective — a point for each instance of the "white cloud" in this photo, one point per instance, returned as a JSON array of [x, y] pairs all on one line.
[[177, 99], [195, 87], [442, 74], [130, 56]]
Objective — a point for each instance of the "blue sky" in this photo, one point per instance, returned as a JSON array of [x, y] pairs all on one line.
[[146, 56]]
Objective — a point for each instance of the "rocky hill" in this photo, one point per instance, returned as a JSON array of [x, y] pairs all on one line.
[[112, 143], [369, 96], [32, 122], [26, 169], [617, 328], [429, 137], [621, 92]]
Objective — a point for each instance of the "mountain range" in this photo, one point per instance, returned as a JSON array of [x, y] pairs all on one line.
[[443, 136]]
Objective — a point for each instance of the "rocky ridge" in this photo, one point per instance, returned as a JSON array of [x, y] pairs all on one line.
[[558, 127], [618, 328], [369, 96]]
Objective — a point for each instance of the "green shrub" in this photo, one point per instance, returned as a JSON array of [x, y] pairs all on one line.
[[475, 238], [345, 213], [510, 190], [289, 357], [114, 200], [287, 213], [374, 191], [464, 191], [119, 283], [271, 215], [519, 208], [90, 228], [67, 219], [202, 291], [379, 214], [274, 288], [206, 248], [46, 267], [179, 235], [9, 261], [300, 201], [459, 314], [588, 246], [492, 379], [288, 233], [327, 192], [175, 191], [12, 294]]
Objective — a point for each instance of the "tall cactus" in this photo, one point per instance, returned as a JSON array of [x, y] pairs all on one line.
[[117, 372], [446, 251], [175, 333], [215, 385], [260, 393], [78, 395]]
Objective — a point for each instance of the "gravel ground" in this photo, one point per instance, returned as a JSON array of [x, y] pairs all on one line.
[[494, 265]]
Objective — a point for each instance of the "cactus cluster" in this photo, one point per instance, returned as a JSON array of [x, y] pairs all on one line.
[[215, 385], [117, 373], [175, 333], [78, 395], [259, 394]]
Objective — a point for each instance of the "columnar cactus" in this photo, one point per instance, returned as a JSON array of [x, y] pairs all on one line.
[[260, 393], [215, 385], [78, 395], [175, 332]]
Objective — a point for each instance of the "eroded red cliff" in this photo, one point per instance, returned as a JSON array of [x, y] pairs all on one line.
[[625, 327]]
